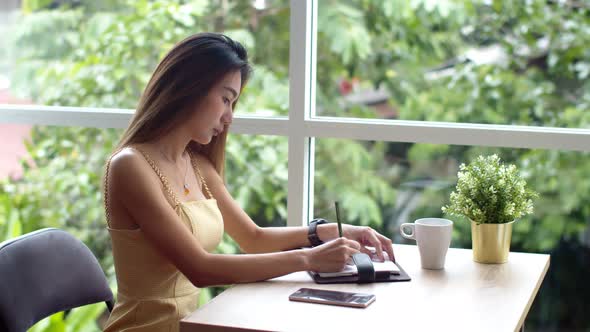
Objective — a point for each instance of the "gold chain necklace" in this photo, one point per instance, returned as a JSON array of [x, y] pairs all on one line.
[[185, 183]]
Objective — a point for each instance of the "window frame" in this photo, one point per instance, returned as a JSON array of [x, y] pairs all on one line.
[[301, 127]]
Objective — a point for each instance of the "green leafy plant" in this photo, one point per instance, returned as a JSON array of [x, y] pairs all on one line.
[[490, 192]]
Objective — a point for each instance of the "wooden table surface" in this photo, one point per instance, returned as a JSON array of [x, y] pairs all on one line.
[[465, 296]]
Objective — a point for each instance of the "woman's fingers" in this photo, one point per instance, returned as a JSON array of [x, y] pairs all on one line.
[[370, 237], [378, 247], [333, 255], [387, 246], [380, 243], [367, 251], [353, 244]]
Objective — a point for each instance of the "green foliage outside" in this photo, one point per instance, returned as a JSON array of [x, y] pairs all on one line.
[[101, 56]]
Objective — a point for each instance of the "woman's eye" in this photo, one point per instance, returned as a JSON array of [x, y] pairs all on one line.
[[225, 101]]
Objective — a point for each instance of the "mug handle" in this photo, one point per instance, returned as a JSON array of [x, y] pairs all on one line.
[[411, 235]]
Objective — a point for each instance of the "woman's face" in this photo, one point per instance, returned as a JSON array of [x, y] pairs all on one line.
[[212, 116]]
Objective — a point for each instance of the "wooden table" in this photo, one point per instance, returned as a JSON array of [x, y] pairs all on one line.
[[465, 296]]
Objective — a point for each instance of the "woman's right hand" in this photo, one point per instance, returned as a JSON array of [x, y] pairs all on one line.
[[333, 255]]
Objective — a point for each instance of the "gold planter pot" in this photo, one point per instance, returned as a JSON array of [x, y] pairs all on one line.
[[491, 242]]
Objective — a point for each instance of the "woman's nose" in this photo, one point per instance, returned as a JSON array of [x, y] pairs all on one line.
[[228, 118]]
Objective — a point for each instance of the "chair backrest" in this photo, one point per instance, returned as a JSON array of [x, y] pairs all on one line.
[[45, 272]]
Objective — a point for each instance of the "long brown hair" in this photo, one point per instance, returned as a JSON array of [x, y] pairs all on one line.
[[181, 80]]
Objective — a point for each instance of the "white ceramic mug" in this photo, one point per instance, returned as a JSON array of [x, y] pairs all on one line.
[[433, 237]]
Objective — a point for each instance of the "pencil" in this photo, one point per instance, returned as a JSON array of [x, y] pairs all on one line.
[[338, 219]]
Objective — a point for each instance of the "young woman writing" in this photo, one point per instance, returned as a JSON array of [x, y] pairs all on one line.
[[167, 206]]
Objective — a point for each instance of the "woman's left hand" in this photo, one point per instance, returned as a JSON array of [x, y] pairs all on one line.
[[366, 236]]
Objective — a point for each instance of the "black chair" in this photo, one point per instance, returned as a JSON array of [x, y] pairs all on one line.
[[45, 272]]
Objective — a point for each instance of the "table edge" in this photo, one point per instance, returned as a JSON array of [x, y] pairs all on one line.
[[533, 294]]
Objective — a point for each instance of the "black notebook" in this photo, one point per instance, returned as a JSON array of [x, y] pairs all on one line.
[[363, 269]]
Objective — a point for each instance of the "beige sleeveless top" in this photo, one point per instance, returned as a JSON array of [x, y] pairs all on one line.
[[153, 295]]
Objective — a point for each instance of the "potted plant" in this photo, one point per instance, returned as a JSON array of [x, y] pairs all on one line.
[[493, 196]]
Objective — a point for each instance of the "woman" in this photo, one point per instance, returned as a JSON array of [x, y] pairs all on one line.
[[167, 206]]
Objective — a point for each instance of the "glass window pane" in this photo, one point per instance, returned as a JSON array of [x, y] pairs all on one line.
[[55, 180], [385, 184], [101, 54], [257, 176], [492, 62]]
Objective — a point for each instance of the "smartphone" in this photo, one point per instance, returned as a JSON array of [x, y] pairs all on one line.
[[324, 296]]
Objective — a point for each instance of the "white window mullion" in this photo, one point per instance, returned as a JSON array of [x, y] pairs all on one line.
[[301, 80], [65, 116], [311, 112], [505, 136]]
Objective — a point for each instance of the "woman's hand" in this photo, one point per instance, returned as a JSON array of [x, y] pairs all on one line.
[[333, 255], [366, 236]]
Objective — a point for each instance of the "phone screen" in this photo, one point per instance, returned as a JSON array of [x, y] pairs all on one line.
[[325, 296]]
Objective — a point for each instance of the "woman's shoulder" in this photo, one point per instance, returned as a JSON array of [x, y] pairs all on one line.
[[126, 158], [127, 164]]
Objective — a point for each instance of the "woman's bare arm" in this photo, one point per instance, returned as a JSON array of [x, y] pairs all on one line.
[[254, 239], [250, 237]]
